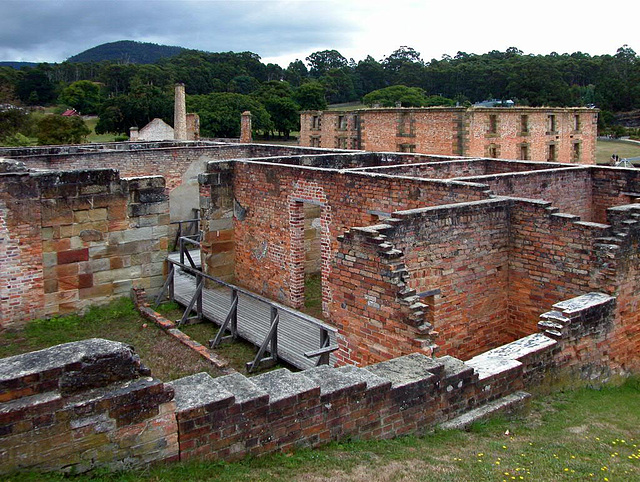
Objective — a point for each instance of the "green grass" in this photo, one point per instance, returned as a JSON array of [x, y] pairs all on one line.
[[604, 150], [97, 138], [118, 321], [313, 295], [583, 434]]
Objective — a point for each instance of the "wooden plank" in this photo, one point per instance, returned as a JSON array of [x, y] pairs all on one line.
[[295, 336]]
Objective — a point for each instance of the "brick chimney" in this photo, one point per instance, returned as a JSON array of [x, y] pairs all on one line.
[[180, 114], [245, 128]]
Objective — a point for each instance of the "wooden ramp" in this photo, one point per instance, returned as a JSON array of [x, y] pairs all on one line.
[[194, 253], [295, 334]]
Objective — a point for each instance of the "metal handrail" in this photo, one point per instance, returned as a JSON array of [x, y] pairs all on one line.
[[250, 294]]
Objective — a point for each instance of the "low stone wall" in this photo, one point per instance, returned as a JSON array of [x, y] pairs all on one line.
[[82, 405], [91, 403]]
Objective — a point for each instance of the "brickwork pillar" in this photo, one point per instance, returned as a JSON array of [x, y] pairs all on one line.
[[180, 114], [245, 128]]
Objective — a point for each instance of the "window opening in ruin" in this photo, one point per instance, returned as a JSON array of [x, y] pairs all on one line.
[[342, 122], [493, 124], [575, 155], [524, 124], [405, 125], [314, 141], [493, 151], [312, 259], [524, 152], [576, 122], [551, 153], [316, 122], [341, 143], [406, 148], [551, 123]]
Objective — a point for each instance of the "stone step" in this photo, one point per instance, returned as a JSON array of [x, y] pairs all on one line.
[[334, 383], [509, 404]]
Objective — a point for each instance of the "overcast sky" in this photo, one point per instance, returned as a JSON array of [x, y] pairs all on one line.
[[281, 31]]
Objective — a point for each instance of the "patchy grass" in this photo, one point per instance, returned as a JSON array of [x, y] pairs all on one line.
[[118, 321], [238, 352], [313, 295], [604, 150], [582, 435]]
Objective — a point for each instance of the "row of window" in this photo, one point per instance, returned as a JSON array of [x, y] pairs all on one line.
[[552, 124], [341, 122], [493, 151]]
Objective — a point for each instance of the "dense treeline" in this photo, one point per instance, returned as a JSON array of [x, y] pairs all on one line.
[[218, 84]]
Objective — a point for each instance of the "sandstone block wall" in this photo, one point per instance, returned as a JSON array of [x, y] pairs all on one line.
[[75, 238]]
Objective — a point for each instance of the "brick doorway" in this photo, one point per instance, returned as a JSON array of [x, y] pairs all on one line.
[[310, 248]]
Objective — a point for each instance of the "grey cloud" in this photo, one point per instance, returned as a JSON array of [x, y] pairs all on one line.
[[54, 30]]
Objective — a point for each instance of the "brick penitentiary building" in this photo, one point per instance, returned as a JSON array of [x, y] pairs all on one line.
[[527, 133]]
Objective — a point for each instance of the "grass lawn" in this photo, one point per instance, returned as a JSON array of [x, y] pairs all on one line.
[[604, 150], [93, 137], [167, 358], [583, 434]]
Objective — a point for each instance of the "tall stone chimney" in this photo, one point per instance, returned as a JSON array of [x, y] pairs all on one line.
[[133, 134], [180, 114], [245, 128]]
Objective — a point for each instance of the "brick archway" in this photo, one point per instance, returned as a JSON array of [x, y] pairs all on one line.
[[312, 193]]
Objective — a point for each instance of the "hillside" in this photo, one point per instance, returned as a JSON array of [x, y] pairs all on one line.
[[126, 50], [17, 65]]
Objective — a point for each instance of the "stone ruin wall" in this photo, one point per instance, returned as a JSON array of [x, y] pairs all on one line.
[[467, 277], [72, 239], [266, 240], [89, 404]]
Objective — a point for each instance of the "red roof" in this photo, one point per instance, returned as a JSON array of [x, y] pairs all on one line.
[[70, 113]]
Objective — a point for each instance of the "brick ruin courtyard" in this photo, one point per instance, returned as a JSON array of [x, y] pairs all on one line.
[[452, 282]]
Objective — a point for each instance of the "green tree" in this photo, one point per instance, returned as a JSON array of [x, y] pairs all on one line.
[[220, 113], [390, 96], [84, 96], [56, 129], [322, 62], [310, 96], [35, 88], [135, 109], [277, 98]]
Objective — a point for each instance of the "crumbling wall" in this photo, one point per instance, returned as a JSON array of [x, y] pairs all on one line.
[[567, 189], [82, 405], [75, 238], [92, 404], [430, 276], [267, 200]]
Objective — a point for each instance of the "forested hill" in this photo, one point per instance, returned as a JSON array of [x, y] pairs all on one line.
[[128, 51], [17, 65]]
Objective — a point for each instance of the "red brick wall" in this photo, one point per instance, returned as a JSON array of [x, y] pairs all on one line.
[[21, 268], [431, 131], [569, 190], [461, 131], [552, 257], [460, 252], [268, 243], [508, 136]]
